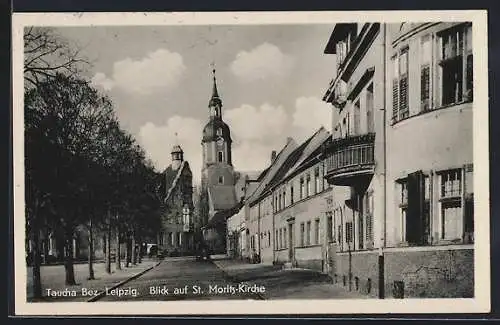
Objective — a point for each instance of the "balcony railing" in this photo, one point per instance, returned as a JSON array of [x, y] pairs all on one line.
[[350, 156]]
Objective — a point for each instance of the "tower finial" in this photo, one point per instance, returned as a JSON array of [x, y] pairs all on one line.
[[215, 93]]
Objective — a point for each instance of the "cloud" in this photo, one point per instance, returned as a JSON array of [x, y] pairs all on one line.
[[253, 155], [310, 114], [257, 131], [158, 71], [158, 141], [248, 122], [101, 80], [264, 61]]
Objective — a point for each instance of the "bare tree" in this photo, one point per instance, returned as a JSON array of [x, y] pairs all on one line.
[[47, 54]]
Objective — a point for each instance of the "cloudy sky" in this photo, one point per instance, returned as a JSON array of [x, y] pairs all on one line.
[[271, 80]]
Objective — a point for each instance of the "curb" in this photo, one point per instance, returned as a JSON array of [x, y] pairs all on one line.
[[233, 279], [133, 277]]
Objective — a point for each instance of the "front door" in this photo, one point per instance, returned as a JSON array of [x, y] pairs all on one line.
[[290, 242]]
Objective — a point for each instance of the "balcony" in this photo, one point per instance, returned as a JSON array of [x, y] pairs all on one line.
[[350, 161]]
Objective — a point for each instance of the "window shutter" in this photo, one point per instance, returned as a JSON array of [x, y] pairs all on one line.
[[395, 104], [403, 96], [469, 75], [425, 87]]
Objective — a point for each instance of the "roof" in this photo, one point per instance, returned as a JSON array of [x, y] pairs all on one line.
[[298, 158], [312, 148], [221, 216], [340, 31], [269, 173], [210, 130], [264, 173], [169, 179], [252, 175], [177, 149], [222, 197], [289, 162]]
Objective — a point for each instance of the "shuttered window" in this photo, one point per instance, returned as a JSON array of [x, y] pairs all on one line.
[[403, 85], [395, 95], [348, 232], [425, 72]]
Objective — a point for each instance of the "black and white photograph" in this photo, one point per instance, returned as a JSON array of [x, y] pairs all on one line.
[[260, 161]]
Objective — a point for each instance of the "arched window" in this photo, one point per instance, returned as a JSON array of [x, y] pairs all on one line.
[[220, 156], [221, 179]]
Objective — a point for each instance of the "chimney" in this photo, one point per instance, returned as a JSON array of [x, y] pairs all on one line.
[[273, 156]]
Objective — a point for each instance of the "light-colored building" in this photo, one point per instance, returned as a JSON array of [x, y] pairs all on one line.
[[355, 157], [260, 210], [430, 212], [400, 160], [300, 195], [236, 224]]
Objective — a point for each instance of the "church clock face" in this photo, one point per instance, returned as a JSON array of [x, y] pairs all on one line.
[[220, 141]]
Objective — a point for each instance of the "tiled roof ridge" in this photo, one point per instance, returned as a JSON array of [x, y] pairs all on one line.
[[176, 179]]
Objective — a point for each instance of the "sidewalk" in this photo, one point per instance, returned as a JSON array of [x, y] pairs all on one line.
[[53, 277], [285, 284]]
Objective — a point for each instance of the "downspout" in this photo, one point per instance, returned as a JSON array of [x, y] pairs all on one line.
[[258, 230], [381, 262]]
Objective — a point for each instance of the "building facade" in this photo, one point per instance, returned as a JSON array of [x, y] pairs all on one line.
[[259, 220], [401, 153], [176, 235], [300, 196], [355, 158], [236, 224]]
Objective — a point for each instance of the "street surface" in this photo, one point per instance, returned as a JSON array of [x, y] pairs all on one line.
[[188, 279], [185, 278]]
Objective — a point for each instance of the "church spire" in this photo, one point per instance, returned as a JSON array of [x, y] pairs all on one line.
[[215, 93], [215, 103]]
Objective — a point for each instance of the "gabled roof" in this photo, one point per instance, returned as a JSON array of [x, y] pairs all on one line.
[[170, 178], [269, 173], [300, 157], [289, 162], [221, 197], [311, 149]]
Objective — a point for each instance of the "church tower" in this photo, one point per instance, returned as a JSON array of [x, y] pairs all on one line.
[[217, 195], [216, 142], [177, 156]]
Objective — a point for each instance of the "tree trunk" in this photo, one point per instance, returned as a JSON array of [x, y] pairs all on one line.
[[35, 253], [46, 247], [68, 262], [91, 250], [139, 256], [108, 246], [127, 251], [133, 252], [117, 252]]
